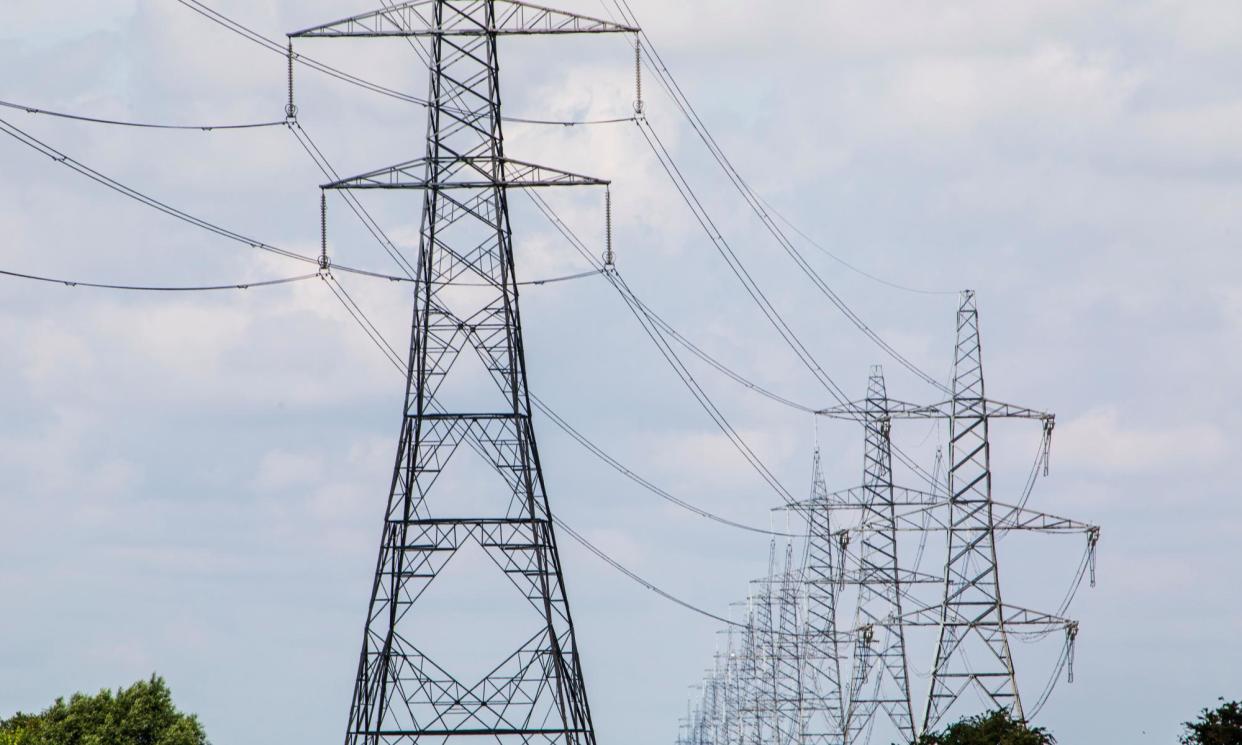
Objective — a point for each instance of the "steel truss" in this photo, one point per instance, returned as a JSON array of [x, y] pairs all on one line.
[[536, 692], [841, 680], [973, 651]]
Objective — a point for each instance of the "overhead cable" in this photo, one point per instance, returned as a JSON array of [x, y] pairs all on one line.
[[624, 470], [862, 273], [675, 362], [351, 199], [81, 168], [161, 288], [750, 197], [638, 579], [272, 45], [394, 357], [140, 125], [661, 325], [576, 242], [75, 165], [390, 354], [735, 265]]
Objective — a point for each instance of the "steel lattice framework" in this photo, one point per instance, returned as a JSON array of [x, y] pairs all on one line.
[[833, 682], [466, 298], [973, 651], [880, 679], [826, 710]]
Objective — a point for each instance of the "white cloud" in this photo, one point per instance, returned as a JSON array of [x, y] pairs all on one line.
[[1100, 440], [281, 469], [1074, 160]]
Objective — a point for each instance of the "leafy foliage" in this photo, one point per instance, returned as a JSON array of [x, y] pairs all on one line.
[[1219, 726], [142, 714], [995, 728]]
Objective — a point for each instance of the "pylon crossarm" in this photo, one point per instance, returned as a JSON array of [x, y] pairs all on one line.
[[990, 409], [858, 410], [461, 18], [876, 576], [1010, 517], [1011, 615], [892, 409], [465, 172], [860, 497], [1006, 517]]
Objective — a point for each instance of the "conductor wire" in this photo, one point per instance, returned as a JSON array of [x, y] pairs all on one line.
[[140, 125]]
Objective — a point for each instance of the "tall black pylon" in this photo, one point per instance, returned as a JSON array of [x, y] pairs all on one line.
[[467, 298]]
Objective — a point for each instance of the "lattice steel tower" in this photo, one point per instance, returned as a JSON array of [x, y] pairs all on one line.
[[466, 298], [974, 623], [826, 707], [880, 678]]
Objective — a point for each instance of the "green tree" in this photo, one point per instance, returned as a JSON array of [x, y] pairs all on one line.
[[1219, 726], [995, 728], [142, 714]]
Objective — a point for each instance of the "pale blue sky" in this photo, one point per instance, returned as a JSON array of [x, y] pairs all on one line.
[[193, 484]]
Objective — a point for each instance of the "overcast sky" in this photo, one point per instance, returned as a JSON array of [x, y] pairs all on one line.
[[193, 484]]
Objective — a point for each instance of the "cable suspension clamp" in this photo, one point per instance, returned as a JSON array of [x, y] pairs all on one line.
[[1049, 424], [610, 259], [638, 75], [291, 110], [1071, 637], [324, 262], [1093, 540]]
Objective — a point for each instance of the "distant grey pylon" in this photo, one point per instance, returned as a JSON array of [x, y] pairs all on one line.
[[880, 678]]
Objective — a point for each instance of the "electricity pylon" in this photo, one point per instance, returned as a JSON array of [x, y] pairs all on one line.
[[973, 651], [781, 675], [880, 677], [875, 678], [466, 297], [825, 709], [792, 696]]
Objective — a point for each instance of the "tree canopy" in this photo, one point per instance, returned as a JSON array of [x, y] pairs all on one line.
[[1219, 726], [142, 714], [994, 728]]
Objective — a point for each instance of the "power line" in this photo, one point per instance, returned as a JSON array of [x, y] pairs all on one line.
[[674, 361], [661, 325], [739, 270], [656, 65], [139, 125], [624, 470], [351, 199], [99, 177], [160, 288], [267, 43], [372, 226], [624, 289], [386, 349], [600, 554], [272, 45], [394, 357], [81, 168], [824, 250]]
